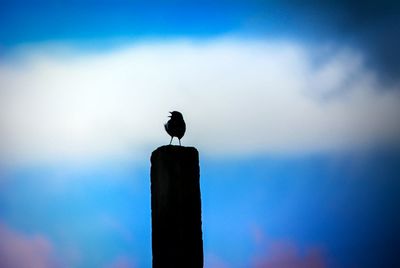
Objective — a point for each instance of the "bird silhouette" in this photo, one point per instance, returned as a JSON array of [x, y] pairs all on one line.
[[176, 126]]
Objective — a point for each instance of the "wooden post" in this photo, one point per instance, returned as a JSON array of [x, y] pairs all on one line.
[[176, 207]]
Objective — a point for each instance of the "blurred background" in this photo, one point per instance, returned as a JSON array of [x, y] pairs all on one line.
[[293, 107]]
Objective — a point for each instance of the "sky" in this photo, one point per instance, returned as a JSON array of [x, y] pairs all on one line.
[[293, 107]]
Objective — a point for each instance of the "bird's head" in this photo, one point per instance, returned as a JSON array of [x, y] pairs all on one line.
[[175, 114]]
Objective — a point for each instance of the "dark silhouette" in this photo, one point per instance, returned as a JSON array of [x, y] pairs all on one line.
[[176, 207], [176, 126]]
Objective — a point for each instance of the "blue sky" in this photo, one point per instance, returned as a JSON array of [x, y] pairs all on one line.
[[293, 107]]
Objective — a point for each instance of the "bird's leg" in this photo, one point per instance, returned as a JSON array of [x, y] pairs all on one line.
[[180, 142], [170, 141]]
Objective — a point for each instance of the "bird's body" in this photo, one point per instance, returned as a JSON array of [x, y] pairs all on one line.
[[176, 126]]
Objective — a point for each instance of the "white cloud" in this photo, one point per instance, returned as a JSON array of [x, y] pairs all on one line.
[[237, 97]]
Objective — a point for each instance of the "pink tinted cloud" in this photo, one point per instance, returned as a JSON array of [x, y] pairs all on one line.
[[286, 254], [122, 262], [213, 261], [18, 250]]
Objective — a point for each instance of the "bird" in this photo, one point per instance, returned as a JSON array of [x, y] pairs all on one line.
[[176, 126]]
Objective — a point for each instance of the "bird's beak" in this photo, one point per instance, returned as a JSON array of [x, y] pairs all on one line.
[[170, 115]]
